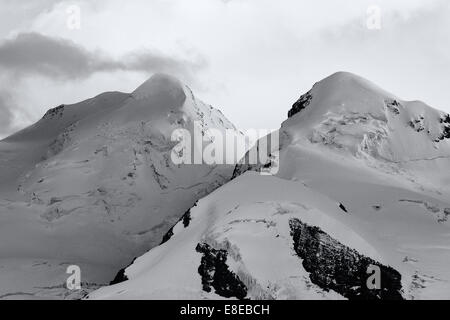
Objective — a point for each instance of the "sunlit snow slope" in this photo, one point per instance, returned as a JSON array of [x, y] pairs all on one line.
[[93, 184], [363, 181]]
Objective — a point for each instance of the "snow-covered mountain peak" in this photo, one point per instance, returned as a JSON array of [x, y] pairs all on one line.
[[347, 112], [342, 92], [168, 89], [363, 182], [94, 183]]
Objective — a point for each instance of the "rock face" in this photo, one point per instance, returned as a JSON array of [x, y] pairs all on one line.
[[55, 112], [445, 120], [333, 266], [216, 275], [186, 219], [301, 104], [121, 276]]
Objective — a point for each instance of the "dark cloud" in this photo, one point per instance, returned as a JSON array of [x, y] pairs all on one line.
[[34, 53]]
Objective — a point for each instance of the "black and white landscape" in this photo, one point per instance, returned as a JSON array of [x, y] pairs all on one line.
[[358, 180], [363, 176]]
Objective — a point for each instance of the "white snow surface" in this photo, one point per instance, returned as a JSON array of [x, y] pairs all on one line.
[[352, 145]]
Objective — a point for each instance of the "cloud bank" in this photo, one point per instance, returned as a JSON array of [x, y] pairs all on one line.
[[37, 54]]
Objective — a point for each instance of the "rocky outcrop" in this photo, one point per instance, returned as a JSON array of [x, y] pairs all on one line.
[[301, 104], [334, 266], [216, 275], [417, 124], [393, 106], [121, 276], [446, 129], [55, 112], [185, 219]]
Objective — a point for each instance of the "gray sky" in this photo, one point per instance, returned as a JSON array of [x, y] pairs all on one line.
[[250, 58]]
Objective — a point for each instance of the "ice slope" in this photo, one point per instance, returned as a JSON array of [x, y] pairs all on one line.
[[360, 183], [93, 184]]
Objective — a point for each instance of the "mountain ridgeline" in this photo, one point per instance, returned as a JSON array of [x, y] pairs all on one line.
[[363, 185]]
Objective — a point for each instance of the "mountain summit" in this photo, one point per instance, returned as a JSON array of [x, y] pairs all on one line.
[[162, 86], [347, 111], [92, 184]]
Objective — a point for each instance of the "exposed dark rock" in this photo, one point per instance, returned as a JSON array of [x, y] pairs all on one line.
[[215, 273], [446, 133], [445, 216], [301, 104], [417, 124], [342, 207], [120, 276], [446, 130], [446, 119], [393, 106], [334, 266], [52, 113], [167, 236], [186, 219]]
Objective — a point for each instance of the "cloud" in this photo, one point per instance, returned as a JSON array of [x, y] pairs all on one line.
[[6, 114], [34, 58], [260, 55], [57, 58]]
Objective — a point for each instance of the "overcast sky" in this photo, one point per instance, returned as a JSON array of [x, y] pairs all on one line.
[[250, 58]]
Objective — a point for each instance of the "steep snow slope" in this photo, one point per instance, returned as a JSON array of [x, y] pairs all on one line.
[[363, 180], [93, 184]]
